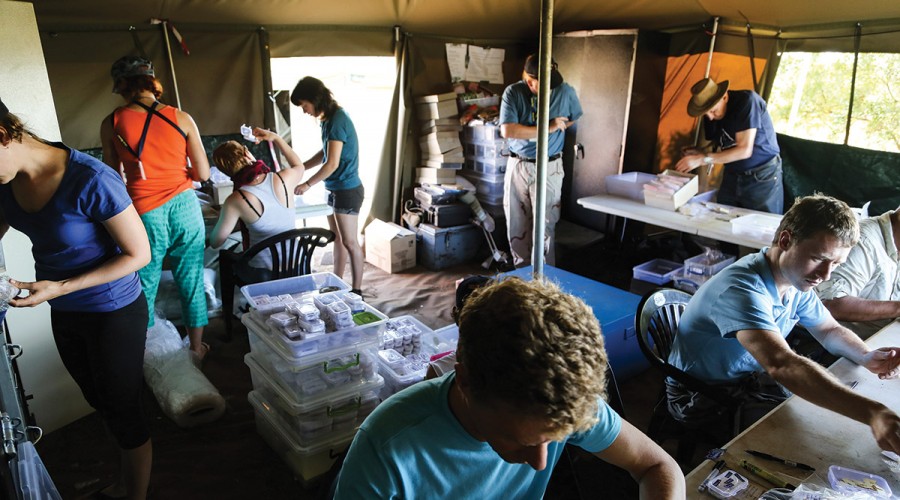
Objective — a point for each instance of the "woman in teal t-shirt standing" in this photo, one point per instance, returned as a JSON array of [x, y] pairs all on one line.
[[339, 161]]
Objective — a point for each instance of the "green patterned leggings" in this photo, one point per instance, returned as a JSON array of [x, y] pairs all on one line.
[[176, 229]]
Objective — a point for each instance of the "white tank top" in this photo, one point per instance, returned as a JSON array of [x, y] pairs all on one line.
[[276, 218]]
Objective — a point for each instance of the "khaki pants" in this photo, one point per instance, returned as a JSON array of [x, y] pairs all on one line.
[[518, 206]]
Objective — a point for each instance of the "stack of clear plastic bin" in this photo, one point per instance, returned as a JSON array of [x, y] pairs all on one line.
[[405, 349], [315, 375]]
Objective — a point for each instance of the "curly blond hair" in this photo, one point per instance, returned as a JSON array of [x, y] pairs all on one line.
[[532, 346], [229, 157]]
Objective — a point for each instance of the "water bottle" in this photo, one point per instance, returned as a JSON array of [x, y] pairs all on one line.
[[8, 291]]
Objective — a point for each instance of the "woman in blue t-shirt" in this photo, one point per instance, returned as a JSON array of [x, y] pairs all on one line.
[[88, 243], [339, 159]]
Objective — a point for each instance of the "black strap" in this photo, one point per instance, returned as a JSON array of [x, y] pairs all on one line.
[[284, 185], [241, 192], [153, 110]]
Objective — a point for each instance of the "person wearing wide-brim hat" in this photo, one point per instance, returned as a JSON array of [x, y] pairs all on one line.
[[742, 137], [518, 125]]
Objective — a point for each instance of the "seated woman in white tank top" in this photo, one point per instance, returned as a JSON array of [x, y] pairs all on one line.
[[263, 200]]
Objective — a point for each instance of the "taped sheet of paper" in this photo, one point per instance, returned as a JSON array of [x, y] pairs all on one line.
[[475, 64]]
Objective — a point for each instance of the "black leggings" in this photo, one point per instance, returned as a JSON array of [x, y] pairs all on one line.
[[104, 353]]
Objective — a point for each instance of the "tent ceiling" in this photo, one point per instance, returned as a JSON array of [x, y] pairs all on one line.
[[504, 19]]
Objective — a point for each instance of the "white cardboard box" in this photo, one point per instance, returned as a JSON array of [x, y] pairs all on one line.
[[672, 202], [221, 191], [390, 247]]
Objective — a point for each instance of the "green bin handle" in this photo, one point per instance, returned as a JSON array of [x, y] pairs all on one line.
[[348, 408], [337, 368]]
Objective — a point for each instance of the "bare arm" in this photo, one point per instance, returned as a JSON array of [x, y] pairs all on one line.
[[294, 161], [657, 474], [228, 219], [334, 159], [199, 162], [108, 138], [519, 131], [856, 309], [741, 151], [128, 232], [810, 381]]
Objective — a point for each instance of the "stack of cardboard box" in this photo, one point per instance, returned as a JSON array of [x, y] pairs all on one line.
[[442, 152]]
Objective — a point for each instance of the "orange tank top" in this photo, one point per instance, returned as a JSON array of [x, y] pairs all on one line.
[[161, 171]]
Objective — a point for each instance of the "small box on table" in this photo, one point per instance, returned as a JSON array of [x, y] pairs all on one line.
[[688, 187]]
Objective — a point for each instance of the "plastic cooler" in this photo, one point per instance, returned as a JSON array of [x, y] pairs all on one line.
[[614, 309], [347, 368], [307, 462], [297, 286], [318, 418]]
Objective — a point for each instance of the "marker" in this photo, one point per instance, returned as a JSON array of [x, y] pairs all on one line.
[[715, 470], [768, 476], [785, 461]]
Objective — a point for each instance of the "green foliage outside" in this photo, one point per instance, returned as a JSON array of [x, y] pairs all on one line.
[[811, 94]]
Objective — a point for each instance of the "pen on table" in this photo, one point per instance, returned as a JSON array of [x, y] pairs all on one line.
[[768, 476], [785, 461], [715, 470]]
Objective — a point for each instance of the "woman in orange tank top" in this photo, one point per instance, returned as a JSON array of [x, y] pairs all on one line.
[[157, 150]]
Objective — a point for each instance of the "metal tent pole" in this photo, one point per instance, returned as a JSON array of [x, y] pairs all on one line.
[[165, 29], [543, 127], [712, 46]]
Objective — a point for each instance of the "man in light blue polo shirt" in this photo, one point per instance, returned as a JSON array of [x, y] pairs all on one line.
[[530, 377], [733, 329], [518, 125]]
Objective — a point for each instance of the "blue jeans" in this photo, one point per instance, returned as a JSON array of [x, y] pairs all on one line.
[[760, 188]]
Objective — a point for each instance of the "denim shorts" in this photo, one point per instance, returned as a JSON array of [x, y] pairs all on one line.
[[347, 201]]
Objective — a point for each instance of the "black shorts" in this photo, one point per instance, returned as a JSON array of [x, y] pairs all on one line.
[[347, 201]]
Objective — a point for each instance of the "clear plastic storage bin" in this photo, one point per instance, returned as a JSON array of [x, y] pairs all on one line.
[[707, 264], [762, 226], [312, 419], [628, 185], [478, 151], [483, 134], [297, 287], [347, 368], [849, 482], [313, 343], [307, 462], [487, 185], [658, 271]]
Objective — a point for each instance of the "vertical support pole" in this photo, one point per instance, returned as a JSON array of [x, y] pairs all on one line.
[[543, 127], [165, 30], [265, 59], [853, 81]]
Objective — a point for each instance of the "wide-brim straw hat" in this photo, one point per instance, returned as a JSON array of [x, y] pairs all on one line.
[[706, 94]]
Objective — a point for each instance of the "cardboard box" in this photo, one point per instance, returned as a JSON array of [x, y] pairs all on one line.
[[390, 247], [672, 202], [221, 191], [435, 175]]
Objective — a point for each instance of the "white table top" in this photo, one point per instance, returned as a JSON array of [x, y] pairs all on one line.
[[710, 225], [800, 431]]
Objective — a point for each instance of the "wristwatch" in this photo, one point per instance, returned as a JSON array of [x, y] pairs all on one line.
[[708, 160]]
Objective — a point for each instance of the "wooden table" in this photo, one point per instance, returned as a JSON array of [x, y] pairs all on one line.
[[800, 431], [710, 225]]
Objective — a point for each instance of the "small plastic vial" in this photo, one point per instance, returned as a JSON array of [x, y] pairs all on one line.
[[8, 291]]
